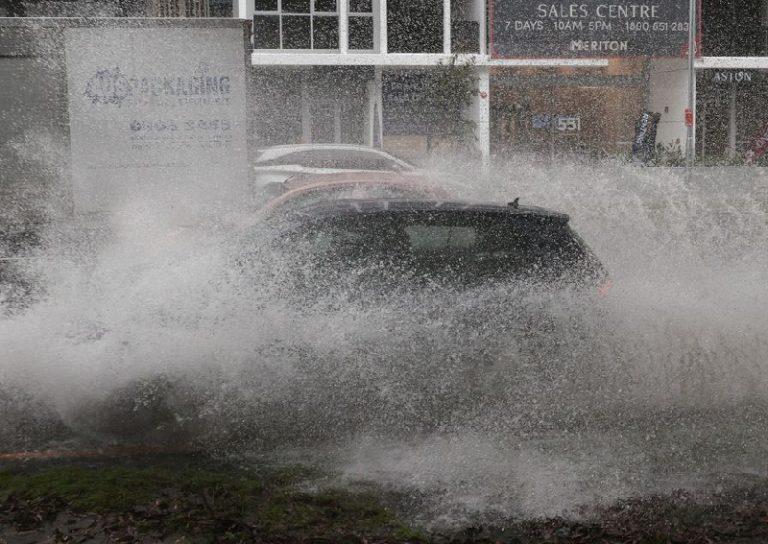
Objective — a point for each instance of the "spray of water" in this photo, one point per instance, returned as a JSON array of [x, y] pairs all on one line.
[[492, 401]]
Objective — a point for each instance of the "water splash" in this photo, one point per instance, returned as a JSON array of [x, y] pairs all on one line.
[[146, 323]]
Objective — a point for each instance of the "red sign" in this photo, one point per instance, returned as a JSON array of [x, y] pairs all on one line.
[[759, 145], [688, 117]]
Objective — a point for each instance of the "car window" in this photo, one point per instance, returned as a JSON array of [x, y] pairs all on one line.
[[336, 159], [469, 245], [440, 237]]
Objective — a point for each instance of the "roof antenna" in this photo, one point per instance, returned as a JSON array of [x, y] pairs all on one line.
[[515, 204]]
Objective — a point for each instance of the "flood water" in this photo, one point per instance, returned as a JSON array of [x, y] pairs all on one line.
[[145, 328]]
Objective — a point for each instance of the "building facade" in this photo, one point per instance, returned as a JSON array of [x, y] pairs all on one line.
[[366, 71], [354, 71]]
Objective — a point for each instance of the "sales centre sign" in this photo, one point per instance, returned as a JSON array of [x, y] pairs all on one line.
[[588, 28]]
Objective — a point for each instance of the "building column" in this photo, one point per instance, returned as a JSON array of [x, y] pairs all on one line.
[[668, 95], [370, 93], [374, 118], [306, 110], [378, 125], [732, 121], [382, 27], [447, 27], [243, 9], [480, 14], [480, 113], [343, 6]]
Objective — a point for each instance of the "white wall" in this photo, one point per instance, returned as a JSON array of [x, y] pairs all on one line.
[[668, 95]]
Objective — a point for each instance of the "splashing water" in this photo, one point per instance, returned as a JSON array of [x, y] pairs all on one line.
[[144, 328]]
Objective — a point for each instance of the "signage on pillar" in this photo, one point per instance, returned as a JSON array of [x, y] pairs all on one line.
[[588, 28], [688, 117]]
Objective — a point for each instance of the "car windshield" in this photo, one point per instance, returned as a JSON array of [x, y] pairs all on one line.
[[453, 245]]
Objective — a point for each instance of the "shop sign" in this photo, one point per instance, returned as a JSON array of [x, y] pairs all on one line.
[[156, 113], [561, 123], [734, 76], [588, 28], [568, 123]]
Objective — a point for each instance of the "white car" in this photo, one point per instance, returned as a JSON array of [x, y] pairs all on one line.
[[279, 163]]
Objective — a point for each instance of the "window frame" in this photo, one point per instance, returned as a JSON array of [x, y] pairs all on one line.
[[312, 14], [372, 15], [551, 250]]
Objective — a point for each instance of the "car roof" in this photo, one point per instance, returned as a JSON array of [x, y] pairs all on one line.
[[277, 151], [376, 206]]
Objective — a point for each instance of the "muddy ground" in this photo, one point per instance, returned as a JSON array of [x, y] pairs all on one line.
[[196, 498]]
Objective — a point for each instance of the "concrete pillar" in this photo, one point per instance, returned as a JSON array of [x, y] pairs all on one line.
[[382, 27], [243, 9], [447, 27], [480, 113], [668, 95], [370, 98], [343, 6], [306, 110], [480, 13], [374, 118], [378, 118], [732, 121]]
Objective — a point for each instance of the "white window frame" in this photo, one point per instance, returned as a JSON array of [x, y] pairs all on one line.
[[312, 13]]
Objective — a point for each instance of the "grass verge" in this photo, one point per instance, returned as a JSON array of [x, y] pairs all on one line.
[[187, 500]]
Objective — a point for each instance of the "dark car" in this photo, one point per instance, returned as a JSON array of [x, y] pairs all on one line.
[[375, 245]]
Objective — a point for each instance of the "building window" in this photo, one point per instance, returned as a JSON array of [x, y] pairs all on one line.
[[296, 24], [325, 33], [415, 26], [297, 31], [221, 8], [361, 24]]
